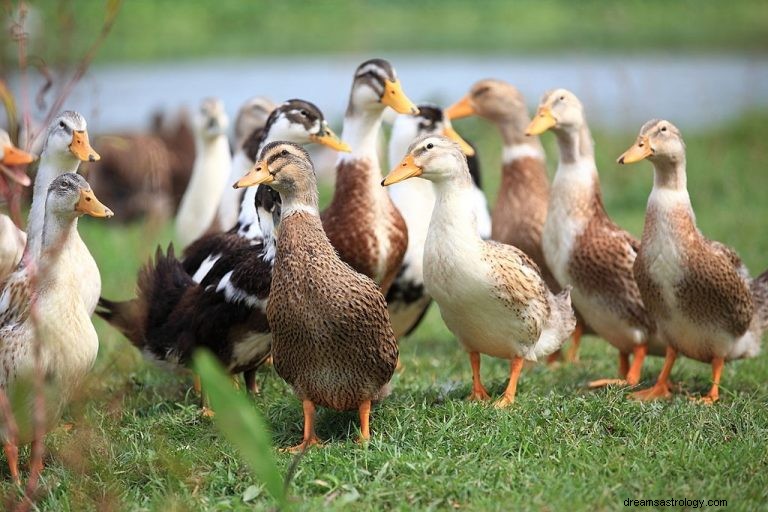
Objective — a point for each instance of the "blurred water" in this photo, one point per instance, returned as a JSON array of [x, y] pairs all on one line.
[[618, 91]]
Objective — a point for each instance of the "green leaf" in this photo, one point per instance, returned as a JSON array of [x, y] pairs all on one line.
[[240, 423], [251, 493]]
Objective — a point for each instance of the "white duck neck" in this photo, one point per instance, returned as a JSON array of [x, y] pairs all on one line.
[[670, 175], [361, 131], [454, 212], [575, 144], [51, 166]]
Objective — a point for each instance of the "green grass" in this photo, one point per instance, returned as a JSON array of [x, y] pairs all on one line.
[[139, 443], [165, 29]]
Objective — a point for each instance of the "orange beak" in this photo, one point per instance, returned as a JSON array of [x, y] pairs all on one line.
[[331, 140], [89, 205], [406, 169], [639, 151], [14, 156], [452, 134], [395, 98], [258, 174], [543, 121], [462, 108], [81, 147]]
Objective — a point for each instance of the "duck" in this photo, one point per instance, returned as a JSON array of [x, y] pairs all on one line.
[[361, 221], [12, 239], [407, 300], [60, 314], [216, 294], [706, 305], [66, 145], [332, 340], [520, 210], [212, 166], [492, 296], [249, 123], [585, 249]]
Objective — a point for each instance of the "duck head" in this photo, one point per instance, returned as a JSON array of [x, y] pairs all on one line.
[[70, 196], [375, 87], [659, 141], [211, 120], [284, 166], [491, 99], [432, 157], [558, 110], [302, 122], [11, 155], [431, 120], [68, 138]]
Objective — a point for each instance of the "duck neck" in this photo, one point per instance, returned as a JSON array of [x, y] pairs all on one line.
[[51, 166], [575, 144], [58, 232], [361, 131], [454, 211], [303, 199], [669, 175]]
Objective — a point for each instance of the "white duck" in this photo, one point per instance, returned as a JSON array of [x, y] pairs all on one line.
[[406, 299], [49, 308], [210, 172], [491, 295]]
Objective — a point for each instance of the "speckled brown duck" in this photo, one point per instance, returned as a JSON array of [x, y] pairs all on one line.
[[492, 296], [361, 222], [332, 339], [585, 249], [520, 211], [705, 304]]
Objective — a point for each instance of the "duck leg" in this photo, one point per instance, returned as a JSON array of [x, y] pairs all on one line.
[[714, 393], [623, 369], [661, 388], [633, 376], [310, 438], [12, 454], [573, 352], [365, 414], [250, 382], [508, 398], [478, 390]]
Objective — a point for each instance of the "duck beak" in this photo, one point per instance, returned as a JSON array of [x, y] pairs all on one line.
[[331, 140], [89, 205], [452, 134], [639, 151], [259, 174], [14, 156], [81, 147], [406, 169], [462, 108], [15, 175], [395, 98], [543, 121]]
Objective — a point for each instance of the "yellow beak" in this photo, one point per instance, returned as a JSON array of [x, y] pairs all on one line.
[[14, 156], [543, 121], [331, 140], [89, 205], [639, 151], [259, 174], [81, 147], [452, 134], [462, 108], [406, 169], [395, 98]]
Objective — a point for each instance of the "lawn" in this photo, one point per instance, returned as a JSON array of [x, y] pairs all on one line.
[[138, 442]]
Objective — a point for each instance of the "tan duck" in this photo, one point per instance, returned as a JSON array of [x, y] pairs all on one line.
[[12, 239], [331, 336], [698, 290], [585, 249], [361, 222], [520, 211], [61, 318], [492, 296]]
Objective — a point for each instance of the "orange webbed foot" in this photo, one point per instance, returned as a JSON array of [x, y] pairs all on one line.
[[658, 391], [479, 395], [207, 412], [601, 383], [303, 446], [504, 402]]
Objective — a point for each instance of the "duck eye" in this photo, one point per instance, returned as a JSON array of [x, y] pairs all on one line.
[[61, 124], [430, 145], [663, 128], [303, 113], [562, 98], [284, 152]]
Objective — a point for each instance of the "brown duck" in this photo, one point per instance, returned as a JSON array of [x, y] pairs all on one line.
[[520, 211], [331, 336], [585, 249], [705, 304], [361, 222]]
